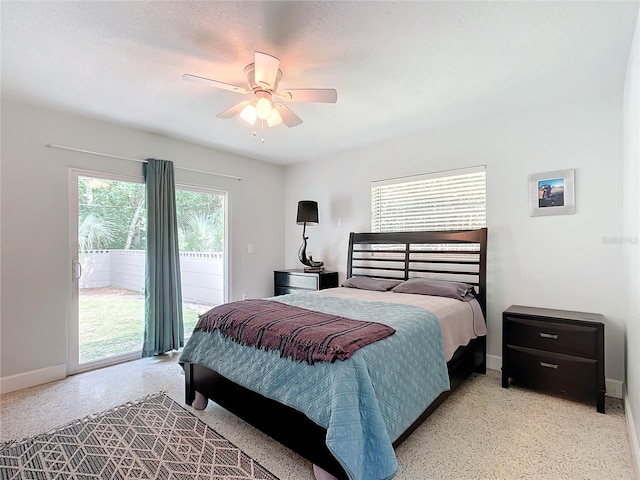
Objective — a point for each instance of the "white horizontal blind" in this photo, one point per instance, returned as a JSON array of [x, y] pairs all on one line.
[[451, 200]]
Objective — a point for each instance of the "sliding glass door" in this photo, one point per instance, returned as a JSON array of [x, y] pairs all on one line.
[[108, 234], [202, 232], [108, 264]]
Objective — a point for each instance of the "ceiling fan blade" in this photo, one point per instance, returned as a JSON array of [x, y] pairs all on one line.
[[289, 118], [214, 83], [319, 95], [233, 111], [266, 69]]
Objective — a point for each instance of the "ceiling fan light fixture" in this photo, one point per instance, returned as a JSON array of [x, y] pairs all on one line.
[[264, 108], [249, 114], [274, 119]]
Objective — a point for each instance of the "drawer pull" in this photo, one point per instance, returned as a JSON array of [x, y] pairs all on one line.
[[552, 336], [548, 365]]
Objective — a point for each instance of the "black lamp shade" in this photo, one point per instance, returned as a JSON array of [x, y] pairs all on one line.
[[307, 212]]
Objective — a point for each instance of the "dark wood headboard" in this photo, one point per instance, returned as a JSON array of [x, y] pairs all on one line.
[[457, 255]]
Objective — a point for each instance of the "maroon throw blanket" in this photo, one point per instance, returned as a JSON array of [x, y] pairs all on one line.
[[298, 333]]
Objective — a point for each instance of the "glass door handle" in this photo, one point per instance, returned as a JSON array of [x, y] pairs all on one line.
[[76, 272]]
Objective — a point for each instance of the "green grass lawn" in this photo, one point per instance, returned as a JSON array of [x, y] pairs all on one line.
[[112, 322]]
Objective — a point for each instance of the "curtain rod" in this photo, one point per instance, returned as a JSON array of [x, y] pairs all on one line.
[[73, 149]]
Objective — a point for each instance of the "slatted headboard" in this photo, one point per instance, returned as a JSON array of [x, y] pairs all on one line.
[[458, 255]]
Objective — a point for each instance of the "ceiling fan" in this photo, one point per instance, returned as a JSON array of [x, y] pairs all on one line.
[[263, 77]]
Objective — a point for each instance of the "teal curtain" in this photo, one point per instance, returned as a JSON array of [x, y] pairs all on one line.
[[164, 330]]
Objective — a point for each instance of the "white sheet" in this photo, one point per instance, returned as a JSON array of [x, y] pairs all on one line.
[[460, 322]]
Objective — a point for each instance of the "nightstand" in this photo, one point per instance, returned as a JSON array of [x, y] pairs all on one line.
[[555, 350], [289, 281]]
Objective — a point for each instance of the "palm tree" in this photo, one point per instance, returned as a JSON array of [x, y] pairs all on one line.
[[201, 234], [94, 232]]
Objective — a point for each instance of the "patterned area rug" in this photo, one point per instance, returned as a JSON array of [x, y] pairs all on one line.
[[151, 438]]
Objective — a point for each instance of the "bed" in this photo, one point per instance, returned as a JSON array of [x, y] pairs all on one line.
[[316, 419]]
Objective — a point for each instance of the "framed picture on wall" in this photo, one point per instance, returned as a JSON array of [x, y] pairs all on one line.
[[552, 193]]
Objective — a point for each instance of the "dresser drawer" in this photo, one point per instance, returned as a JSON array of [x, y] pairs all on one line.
[[296, 280], [550, 370], [309, 282], [569, 339], [285, 290]]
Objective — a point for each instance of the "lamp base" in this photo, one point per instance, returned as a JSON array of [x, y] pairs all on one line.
[[314, 269]]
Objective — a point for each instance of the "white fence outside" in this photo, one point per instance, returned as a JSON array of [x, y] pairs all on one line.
[[202, 273]]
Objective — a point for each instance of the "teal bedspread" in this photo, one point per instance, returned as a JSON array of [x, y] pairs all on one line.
[[364, 402]]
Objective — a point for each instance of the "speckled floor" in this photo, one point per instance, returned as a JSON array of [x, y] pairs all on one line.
[[481, 432]]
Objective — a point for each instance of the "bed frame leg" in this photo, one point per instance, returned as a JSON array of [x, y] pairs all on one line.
[[481, 366], [189, 390]]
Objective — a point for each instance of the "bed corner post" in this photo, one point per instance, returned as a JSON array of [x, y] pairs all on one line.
[[481, 355], [482, 280], [189, 390], [350, 256]]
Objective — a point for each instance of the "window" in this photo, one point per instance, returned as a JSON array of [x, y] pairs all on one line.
[[450, 200]]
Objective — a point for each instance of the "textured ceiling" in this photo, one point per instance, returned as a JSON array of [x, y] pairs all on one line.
[[399, 67]]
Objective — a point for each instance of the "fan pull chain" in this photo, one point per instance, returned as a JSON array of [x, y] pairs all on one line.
[[254, 133]]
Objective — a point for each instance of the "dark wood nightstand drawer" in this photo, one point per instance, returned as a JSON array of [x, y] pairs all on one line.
[[291, 281], [298, 281], [285, 290], [579, 340], [553, 371]]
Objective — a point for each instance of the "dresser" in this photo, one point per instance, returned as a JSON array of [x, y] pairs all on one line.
[[558, 351], [297, 280]]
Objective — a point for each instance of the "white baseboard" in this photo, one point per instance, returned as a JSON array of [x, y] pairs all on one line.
[[633, 437], [614, 387], [494, 362], [32, 378]]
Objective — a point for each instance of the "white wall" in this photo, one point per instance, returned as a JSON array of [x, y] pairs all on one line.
[[632, 237], [34, 200], [555, 261]]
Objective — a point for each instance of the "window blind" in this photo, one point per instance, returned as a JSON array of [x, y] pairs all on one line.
[[450, 200]]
